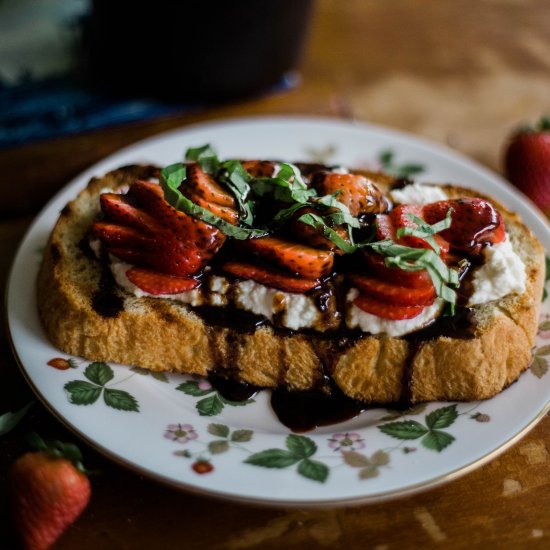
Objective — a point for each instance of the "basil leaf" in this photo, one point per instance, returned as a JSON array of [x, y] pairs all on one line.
[[287, 213], [281, 189], [174, 174], [318, 223], [206, 157], [425, 231], [174, 196], [236, 178], [287, 186], [344, 216], [416, 259]]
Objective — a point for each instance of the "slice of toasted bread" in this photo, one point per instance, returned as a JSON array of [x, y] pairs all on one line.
[[163, 335]]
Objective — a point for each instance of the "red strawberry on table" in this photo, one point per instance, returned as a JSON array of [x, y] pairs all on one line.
[[527, 162], [270, 277], [48, 491]]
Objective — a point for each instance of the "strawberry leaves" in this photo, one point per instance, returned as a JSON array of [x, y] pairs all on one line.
[[9, 420], [213, 403], [299, 450], [432, 434], [82, 392]]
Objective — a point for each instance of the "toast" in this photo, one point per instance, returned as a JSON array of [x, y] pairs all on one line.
[[85, 314]]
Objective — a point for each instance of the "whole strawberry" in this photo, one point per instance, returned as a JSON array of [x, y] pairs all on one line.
[[48, 491], [527, 162]]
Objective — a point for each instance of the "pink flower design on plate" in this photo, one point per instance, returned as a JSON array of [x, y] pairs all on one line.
[[348, 441], [182, 433], [204, 384]]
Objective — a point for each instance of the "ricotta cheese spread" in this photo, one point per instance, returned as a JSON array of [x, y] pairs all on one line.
[[418, 193], [296, 310], [367, 322], [502, 273]]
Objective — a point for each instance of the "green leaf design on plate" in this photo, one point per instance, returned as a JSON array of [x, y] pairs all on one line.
[[219, 430], [82, 392], [120, 400], [380, 458], [161, 376], [545, 325], [99, 373], [9, 420], [543, 350], [313, 469], [210, 406], [241, 436], [218, 446], [406, 429], [539, 366], [369, 472], [441, 418], [301, 446], [437, 440], [355, 459], [191, 387], [140, 370], [273, 458], [236, 403]]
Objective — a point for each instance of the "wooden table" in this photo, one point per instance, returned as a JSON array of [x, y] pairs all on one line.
[[462, 73]]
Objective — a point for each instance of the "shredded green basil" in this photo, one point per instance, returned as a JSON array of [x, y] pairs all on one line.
[[206, 157], [416, 259], [173, 195]]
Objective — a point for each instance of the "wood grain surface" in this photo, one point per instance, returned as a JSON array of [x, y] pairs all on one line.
[[463, 73]]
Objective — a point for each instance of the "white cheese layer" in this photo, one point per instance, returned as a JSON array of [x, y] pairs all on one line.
[[367, 322], [418, 193], [297, 310], [502, 273]]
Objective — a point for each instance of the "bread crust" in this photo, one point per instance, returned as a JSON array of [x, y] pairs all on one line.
[[161, 335]]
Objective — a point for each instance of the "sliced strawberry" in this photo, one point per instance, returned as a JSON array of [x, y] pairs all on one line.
[[313, 236], [385, 228], [270, 277], [259, 168], [159, 283], [385, 310], [358, 193], [475, 222], [409, 279], [203, 185], [300, 259], [121, 236], [174, 244], [117, 208], [400, 218], [393, 293], [224, 212]]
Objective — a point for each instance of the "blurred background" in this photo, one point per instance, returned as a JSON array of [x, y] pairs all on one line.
[[463, 73]]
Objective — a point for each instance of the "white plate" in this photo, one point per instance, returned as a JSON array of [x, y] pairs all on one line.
[[348, 463]]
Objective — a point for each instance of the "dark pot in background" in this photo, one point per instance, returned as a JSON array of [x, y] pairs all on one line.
[[195, 49]]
